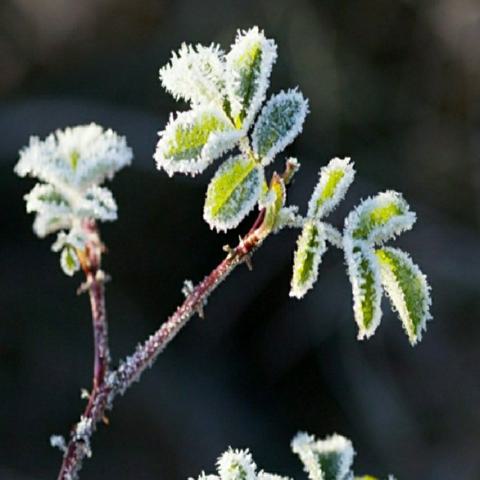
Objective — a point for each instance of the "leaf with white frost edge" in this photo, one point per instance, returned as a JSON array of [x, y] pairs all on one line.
[[311, 245], [196, 74], [98, 203], [236, 465], [248, 67], [408, 290], [364, 274], [334, 181], [76, 157], [328, 459], [69, 261], [194, 139], [273, 201], [380, 218], [233, 192], [279, 122]]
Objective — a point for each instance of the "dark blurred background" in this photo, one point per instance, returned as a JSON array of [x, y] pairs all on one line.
[[395, 85]]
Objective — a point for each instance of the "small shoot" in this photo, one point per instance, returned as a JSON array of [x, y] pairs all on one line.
[[372, 267], [334, 180]]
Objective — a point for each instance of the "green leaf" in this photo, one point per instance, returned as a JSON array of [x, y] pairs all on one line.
[[233, 192], [364, 276], [333, 183], [69, 261], [380, 218], [407, 289], [274, 201], [248, 67], [311, 245], [328, 459], [280, 121], [193, 140]]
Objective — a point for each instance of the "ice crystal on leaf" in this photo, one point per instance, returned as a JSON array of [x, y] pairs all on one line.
[[233, 192], [370, 268], [194, 139], [407, 288], [72, 163], [278, 124], [196, 74], [334, 180], [248, 67], [328, 459], [226, 92]]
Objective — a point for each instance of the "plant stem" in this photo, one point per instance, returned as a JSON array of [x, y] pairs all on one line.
[[107, 385]]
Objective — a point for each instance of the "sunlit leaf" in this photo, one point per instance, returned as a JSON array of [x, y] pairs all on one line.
[[195, 74], [364, 274], [248, 67], [233, 192], [194, 139], [69, 261], [311, 245], [236, 465], [328, 459], [407, 289], [380, 218], [274, 201], [334, 181], [279, 122]]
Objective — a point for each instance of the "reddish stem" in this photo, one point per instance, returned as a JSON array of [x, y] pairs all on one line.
[[108, 385]]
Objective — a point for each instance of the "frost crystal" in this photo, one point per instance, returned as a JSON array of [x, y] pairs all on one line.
[[278, 124], [196, 74], [328, 459], [236, 465], [311, 245], [408, 290], [72, 163], [380, 218], [373, 222], [233, 192], [334, 181], [194, 139], [249, 64]]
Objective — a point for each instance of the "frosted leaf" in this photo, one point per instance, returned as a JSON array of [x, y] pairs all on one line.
[[334, 181], [380, 218], [69, 261], [364, 274], [195, 74], [328, 459], [194, 139], [53, 210], [407, 289], [77, 157], [98, 202], [311, 245], [236, 465], [233, 192], [75, 238], [248, 67], [279, 122], [273, 202]]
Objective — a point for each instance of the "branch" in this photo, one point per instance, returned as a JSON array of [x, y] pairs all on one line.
[[108, 385]]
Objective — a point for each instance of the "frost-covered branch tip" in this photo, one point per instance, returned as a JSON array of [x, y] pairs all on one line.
[[71, 165], [226, 93], [328, 459]]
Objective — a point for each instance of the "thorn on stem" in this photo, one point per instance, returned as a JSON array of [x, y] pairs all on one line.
[[84, 394], [248, 261]]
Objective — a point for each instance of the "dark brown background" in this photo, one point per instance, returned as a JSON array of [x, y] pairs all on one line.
[[394, 84]]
